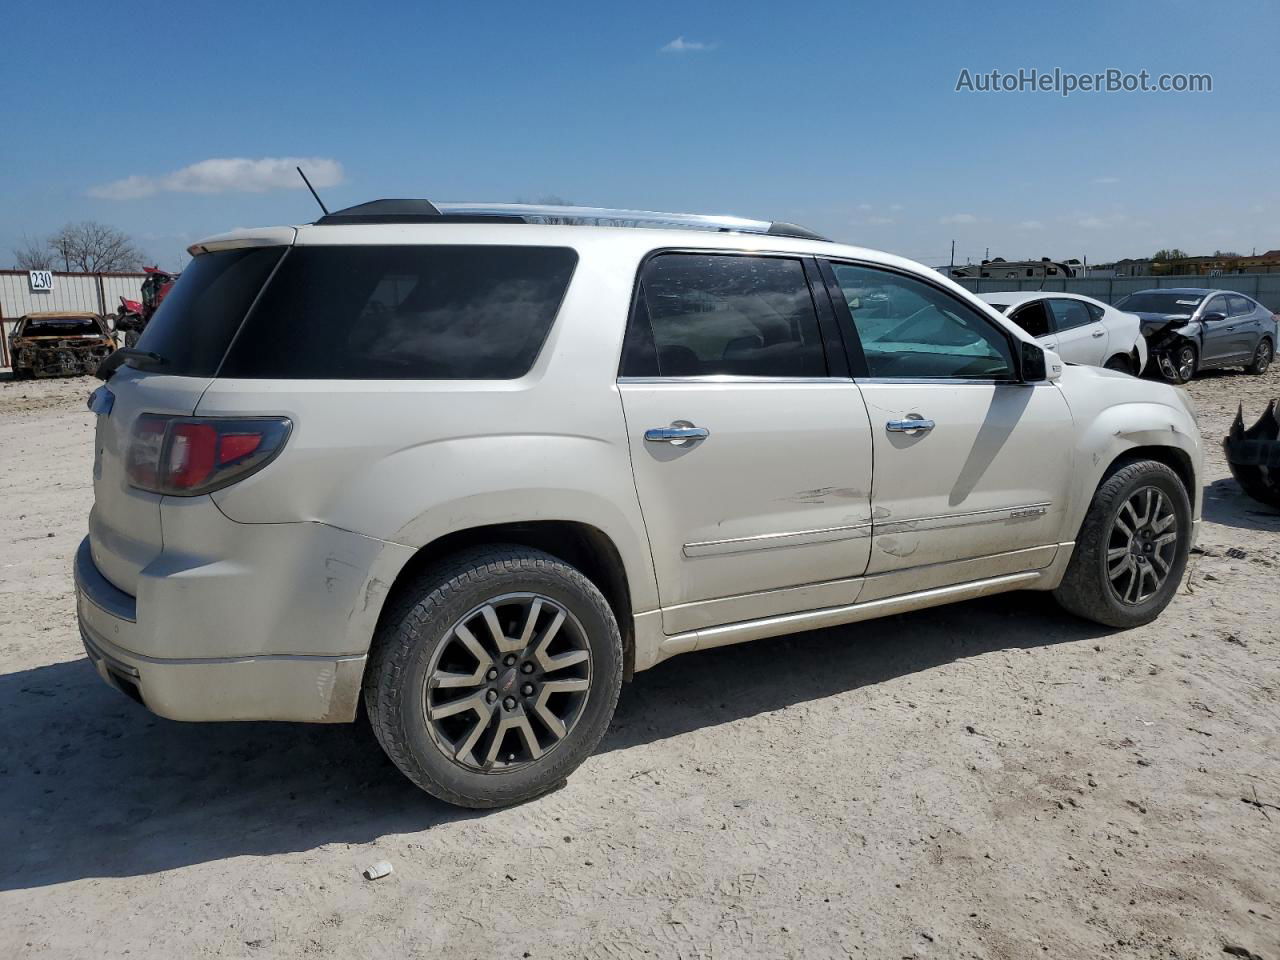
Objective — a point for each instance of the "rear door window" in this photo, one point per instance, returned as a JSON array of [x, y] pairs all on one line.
[[1240, 306], [723, 315], [1033, 318], [198, 319], [421, 312]]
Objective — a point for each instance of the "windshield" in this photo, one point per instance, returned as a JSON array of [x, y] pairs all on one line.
[[61, 327], [1173, 304]]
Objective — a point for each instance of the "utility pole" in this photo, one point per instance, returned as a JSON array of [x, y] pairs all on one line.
[[987, 255], [953, 255]]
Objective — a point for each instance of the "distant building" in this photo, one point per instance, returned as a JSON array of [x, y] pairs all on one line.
[[1001, 269], [1217, 265]]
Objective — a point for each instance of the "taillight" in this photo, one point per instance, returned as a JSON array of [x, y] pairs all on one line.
[[189, 456]]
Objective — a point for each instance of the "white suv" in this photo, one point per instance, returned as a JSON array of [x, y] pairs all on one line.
[[477, 465]]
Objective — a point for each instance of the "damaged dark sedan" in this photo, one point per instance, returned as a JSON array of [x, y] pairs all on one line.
[[1189, 329], [59, 344]]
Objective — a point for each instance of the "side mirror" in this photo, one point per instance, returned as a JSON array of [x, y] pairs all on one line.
[[1039, 365], [1213, 317]]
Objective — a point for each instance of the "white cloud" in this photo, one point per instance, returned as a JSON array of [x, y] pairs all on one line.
[[895, 207], [681, 45], [1091, 222], [864, 206], [1106, 180], [959, 218], [879, 221], [227, 175], [1030, 225]]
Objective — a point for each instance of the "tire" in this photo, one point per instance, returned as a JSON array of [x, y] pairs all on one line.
[[1262, 357], [1186, 362], [436, 622], [1120, 363], [1088, 590]]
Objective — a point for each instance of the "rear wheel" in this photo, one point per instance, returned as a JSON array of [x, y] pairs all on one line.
[[1132, 548], [494, 676], [1262, 358], [1119, 362]]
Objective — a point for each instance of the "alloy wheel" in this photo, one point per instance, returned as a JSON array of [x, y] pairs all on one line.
[[1186, 363], [1262, 359], [508, 683], [1142, 545]]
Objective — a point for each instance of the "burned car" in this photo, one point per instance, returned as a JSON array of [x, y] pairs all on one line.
[[59, 344], [1189, 329]]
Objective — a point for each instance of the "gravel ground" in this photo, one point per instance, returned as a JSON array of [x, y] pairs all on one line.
[[994, 779]]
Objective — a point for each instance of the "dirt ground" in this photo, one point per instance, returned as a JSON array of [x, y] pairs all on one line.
[[993, 780]]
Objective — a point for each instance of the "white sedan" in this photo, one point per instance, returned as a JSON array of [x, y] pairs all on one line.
[[1078, 329]]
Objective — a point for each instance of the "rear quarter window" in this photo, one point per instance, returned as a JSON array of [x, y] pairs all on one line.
[[198, 319], [403, 313]]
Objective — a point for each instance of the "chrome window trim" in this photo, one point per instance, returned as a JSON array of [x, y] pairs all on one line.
[[716, 378], [920, 381]]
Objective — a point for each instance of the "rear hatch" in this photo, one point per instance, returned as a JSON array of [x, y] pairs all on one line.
[[187, 338]]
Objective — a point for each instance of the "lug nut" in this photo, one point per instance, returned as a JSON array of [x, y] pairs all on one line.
[[509, 703], [491, 675], [527, 689], [491, 696], [509, 659], [527, 668]]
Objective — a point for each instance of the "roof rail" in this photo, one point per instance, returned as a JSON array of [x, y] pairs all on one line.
[[424, 211]]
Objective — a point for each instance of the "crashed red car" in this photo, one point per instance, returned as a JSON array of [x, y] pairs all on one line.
[[59, 344]]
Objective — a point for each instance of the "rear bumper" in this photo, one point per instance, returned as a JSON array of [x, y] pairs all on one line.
[[294, 687]]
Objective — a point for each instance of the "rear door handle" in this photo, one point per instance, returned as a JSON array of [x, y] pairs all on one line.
[[914, 423], [1098, 333], [679, 433]]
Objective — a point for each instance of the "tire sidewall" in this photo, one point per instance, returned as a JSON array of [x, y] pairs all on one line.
[[427, 633], [1259, 367], [1168, 484]]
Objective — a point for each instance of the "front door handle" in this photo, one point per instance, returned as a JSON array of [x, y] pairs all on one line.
[[679, 433], [914, 423], [1098, 333]]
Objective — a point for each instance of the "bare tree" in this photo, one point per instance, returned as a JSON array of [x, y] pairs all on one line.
[[92, 247], [33, 254]]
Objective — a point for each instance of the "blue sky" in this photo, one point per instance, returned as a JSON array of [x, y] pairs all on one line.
[[843, 117]]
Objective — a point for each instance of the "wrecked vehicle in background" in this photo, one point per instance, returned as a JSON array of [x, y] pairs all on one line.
[[59, 344], [1189, 329], [134, 315], [1254, 455]]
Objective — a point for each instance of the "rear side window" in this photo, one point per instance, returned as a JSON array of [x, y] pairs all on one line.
[[200, 315], [1033, 318], [403, 313], [1240, 306], [726, 315]]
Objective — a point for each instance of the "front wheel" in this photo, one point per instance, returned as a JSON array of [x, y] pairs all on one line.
[[1262, 358], [1180, 363], [494, 675], [1132, 548]]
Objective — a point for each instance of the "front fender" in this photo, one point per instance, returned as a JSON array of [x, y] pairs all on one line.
[[1116, 430]]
